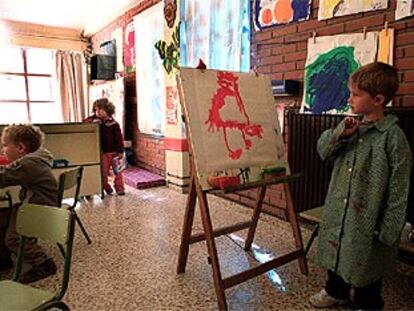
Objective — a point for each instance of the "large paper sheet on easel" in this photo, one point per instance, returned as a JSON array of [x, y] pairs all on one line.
[[233, 126]]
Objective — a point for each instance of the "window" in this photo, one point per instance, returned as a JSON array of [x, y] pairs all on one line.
[[28, 86]]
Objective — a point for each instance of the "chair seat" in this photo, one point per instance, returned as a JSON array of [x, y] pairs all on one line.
[[313, 214], [65, 206], [17, 296]]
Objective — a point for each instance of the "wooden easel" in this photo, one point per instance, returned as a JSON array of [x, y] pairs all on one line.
[[220, 284]]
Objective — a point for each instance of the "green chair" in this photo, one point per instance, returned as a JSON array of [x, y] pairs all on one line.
[[50, 224], [313, 215], [6, 198], [70, 182]]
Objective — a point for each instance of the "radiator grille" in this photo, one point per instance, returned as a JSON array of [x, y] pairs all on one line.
[[304, 131]]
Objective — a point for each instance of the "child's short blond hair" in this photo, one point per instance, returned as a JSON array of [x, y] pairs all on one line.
[[376, 79], [29, 135], [105, 104]]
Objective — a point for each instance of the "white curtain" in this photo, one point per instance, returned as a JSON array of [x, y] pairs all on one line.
[[72, 85]]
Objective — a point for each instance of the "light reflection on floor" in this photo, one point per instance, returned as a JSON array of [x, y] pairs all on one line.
[[262, 255], [131, 263], [153, 198]]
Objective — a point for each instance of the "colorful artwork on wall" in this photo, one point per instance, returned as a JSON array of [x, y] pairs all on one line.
[[268, 13], [404, 8], [170, 12], [216, 31], [170, 51], [233, 126], [129, 51], [333, 8], [386, 46], [150, 74], [329, 63], [172, 104]]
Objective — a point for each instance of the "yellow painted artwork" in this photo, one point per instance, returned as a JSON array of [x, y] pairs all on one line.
[[386, 46], [333, 8]]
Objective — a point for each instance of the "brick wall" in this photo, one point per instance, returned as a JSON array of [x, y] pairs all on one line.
[[149, 150], [281, 51]]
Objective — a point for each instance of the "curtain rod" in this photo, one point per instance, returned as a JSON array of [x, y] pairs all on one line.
[[52, 37]]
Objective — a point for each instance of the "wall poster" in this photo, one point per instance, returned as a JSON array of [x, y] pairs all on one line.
[[334, 8], [129, 52], [404, 8], [329, 63], [268, 13]]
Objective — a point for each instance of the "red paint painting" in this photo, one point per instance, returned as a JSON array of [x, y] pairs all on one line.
[[228, 87], [129, 51]]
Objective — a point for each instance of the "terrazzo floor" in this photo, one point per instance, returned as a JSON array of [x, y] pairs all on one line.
[[131, 263]]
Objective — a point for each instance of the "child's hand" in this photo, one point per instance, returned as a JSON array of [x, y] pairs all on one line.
[[351, 126]]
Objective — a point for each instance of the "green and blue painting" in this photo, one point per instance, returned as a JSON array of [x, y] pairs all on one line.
[[330, 62]]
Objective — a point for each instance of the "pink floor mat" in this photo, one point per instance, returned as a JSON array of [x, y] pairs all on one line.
[[139, 178]]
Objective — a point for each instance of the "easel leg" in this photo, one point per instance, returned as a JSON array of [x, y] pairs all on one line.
[[255, 218], [188, 224], [212, 250], [293, 219]]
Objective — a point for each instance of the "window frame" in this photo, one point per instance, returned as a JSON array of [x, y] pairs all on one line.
[[26, 77]]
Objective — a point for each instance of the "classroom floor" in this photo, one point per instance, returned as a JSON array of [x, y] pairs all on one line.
[[131, 263]]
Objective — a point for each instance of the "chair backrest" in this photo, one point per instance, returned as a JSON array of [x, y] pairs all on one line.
[[68, 180], [46, 223], [40, 221]]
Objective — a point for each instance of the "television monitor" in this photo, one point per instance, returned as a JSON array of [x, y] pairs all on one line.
[[103, 67]]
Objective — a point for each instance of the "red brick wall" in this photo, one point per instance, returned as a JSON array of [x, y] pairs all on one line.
[[281, 51], [150, 153], [149, 150]]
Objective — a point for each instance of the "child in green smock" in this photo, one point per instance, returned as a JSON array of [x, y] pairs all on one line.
[[365, 208]]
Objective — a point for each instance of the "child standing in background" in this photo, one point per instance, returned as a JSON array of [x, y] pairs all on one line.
[[111, 144], [30, 168], [365, 207], [93, 117]]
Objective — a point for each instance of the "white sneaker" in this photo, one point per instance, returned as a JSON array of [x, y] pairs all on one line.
[[324, 300]]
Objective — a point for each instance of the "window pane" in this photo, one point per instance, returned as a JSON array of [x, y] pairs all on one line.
[[12, 87], [40, 88], [16, 113], [40, 61], [46, 113], [11, 59]]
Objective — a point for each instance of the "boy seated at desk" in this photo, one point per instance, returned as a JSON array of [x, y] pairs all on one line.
[[31, 169]]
